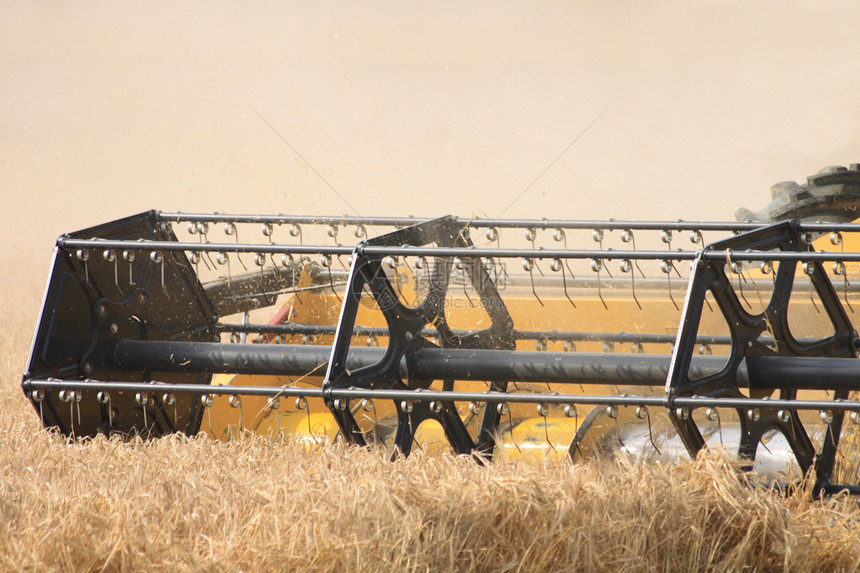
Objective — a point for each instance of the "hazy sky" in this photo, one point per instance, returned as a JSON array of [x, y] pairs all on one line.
[[113, 108]]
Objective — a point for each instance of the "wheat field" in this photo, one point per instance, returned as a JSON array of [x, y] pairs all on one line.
[[193, 504]]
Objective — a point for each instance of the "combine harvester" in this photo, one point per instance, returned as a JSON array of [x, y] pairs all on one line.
[[508, 338]]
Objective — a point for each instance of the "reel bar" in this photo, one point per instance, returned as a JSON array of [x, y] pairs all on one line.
[[769, 372], [408, 251], [490, 397], [294, 328], [274, 281], [541, 224], [551, 335]]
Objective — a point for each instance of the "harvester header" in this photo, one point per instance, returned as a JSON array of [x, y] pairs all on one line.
[[513, 338]]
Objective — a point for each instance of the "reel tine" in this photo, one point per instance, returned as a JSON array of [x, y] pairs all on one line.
[[83, 255], [128, 256], [628, 237], [597, 236], [571, 412], [203, 231], [77, 400], [460, 266], [260, 261], [39, 397], [492, 234], [836, 239], [287, 260], [207, 261], [274, 264], [840, 271], [827, 417], [65, 397], [399, 280], [235, 401], [369, 406], [612, 412], [296, 231], [332, 231], [596, 266], [543, 411], [627, 267], [404, 427], [696, 237], [230, 229], [142, 400], [502, 408], [109, 256], [72, 415], [737, 268], [713, 415], [274, 403], [326, 263], [529, 265], [268, 230], [537, 266], [531, 235], [809, 270], [666, 266], [666, 237], [161, 260], [207, 400], [642, 412], [422, 264], [302, 404], [558, 265], [224, 259], [542, 346], [405, 262], [560, 235]]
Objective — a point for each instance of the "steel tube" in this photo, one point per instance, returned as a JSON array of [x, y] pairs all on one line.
[[806, 373], [461, 364], [437, 364]]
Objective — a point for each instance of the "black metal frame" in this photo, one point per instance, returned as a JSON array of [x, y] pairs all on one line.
[[101, 295], [710, 276], [406, 336]]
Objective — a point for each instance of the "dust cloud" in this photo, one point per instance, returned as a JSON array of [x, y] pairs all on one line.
[[109, 109]]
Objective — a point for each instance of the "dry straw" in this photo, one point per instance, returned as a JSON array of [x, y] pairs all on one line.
[[178, 504]]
